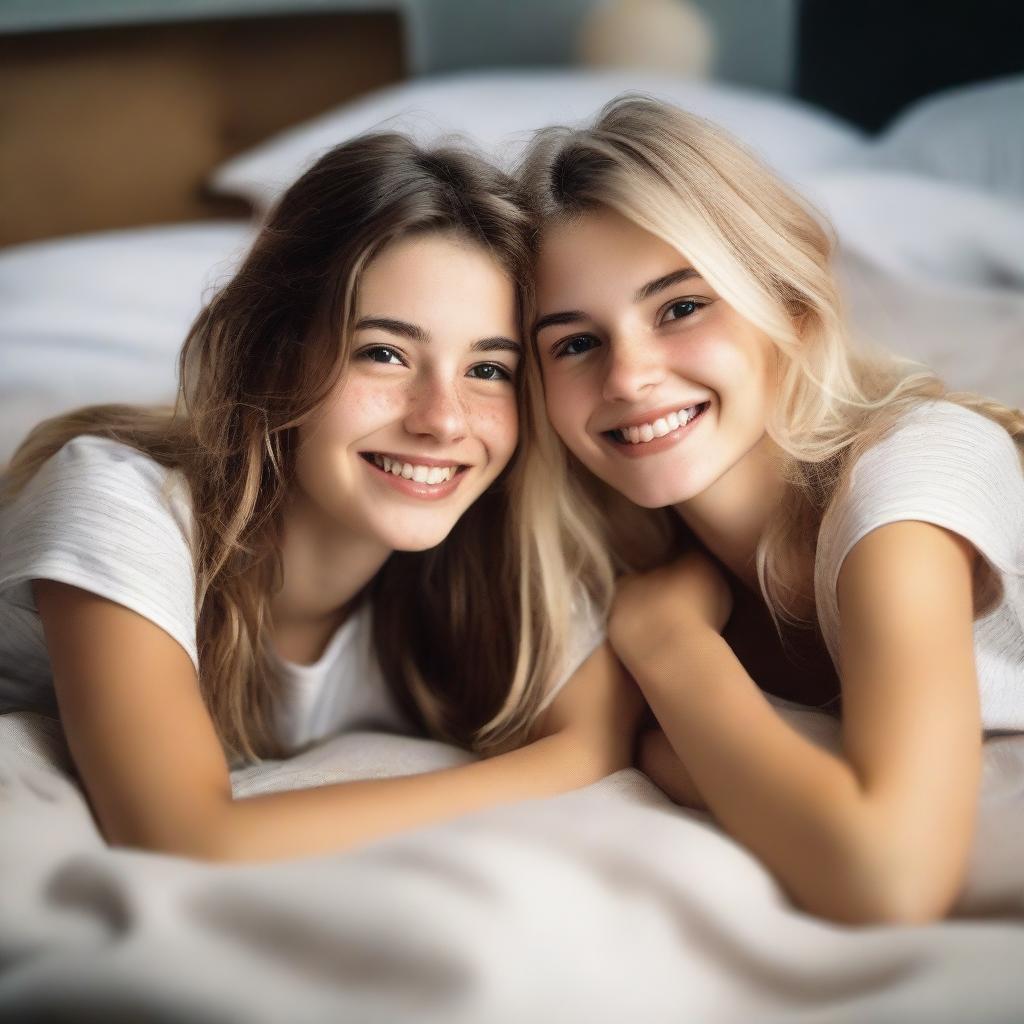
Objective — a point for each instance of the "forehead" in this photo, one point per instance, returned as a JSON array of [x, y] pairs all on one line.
[[422, 262], [434, 279], [600, 248]]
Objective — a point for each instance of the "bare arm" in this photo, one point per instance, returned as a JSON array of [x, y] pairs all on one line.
[[150, 760], [660, 763], [882, 833]]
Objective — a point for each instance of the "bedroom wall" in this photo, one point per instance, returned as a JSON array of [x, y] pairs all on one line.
[[754, 40], [754, 37]]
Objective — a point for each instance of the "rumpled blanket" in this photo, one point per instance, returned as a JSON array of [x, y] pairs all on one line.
[[608, 904]]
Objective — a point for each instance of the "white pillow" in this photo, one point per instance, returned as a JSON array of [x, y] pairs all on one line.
[[973, 135], [101, 318], [500, 110], [916, 227], [972, 336]]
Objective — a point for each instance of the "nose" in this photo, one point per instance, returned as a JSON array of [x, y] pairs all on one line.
[[632, 367], [435, 409]]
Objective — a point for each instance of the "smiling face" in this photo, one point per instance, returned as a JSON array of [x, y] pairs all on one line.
[[651, 380], [425, 417]]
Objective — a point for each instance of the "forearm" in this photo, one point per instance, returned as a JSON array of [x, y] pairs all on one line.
[[836, 847], [344, 815], [661, 764]]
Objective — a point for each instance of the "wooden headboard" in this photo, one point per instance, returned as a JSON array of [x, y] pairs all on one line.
[[120, 126]]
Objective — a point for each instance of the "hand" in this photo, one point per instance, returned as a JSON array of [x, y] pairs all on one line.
[[655, 606]]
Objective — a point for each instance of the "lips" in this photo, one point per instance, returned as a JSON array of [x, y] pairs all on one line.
[[655, 425], [417, 476]]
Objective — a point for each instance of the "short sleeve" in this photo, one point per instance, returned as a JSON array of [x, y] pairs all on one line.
[[104, 517], [942, 464]]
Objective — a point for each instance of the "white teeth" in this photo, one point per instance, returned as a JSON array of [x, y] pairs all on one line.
[[418, 474], [659, 428]]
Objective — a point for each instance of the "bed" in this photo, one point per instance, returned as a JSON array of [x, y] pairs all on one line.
[[608, 904]]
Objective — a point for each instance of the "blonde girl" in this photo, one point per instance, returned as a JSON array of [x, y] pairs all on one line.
[[318, 537], [798, 518]]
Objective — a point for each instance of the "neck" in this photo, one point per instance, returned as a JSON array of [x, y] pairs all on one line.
[[730, 516], [324, 567]]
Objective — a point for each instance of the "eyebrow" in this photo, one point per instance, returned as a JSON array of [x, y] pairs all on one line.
[[402, 328], [414, 332], [659, 284], [573, 316], [497, 344]]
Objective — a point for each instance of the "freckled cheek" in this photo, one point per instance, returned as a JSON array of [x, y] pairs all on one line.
[[360, 407], [496, 424]]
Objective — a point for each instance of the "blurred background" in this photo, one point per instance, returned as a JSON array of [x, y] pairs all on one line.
[[142, 140], [116, 112]]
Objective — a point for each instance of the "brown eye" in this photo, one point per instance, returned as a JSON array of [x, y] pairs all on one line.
[[381, 354], [489, 371], [681, 310], [575, 346]]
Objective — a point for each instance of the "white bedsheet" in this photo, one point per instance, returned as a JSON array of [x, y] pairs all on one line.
[[101, 318], [604, 905]]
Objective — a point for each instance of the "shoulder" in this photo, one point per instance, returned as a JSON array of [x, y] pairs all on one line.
[[94, 462], [104, 517], [940, 463], [942, 433], [91, 477]]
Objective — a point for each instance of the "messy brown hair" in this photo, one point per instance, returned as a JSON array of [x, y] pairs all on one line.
[[461, 632]]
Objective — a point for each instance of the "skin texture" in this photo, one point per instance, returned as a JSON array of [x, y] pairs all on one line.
[[882, 833], [141, 738]]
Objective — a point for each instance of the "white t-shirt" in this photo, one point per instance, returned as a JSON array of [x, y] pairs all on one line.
[[952, 467], [103, 516]]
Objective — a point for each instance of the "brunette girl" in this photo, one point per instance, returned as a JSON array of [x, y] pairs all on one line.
[[318, 537]]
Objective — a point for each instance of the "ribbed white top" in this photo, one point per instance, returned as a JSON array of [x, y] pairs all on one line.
[[104, 517], [952, 467]]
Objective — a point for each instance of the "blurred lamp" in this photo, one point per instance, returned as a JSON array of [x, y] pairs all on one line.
[[670, 36]]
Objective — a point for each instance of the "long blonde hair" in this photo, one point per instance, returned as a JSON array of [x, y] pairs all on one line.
[[769, 255], [476, 649]]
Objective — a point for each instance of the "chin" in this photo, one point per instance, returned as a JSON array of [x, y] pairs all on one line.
[[661, 499], [417, 540], [412, 547], [656, 494]]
